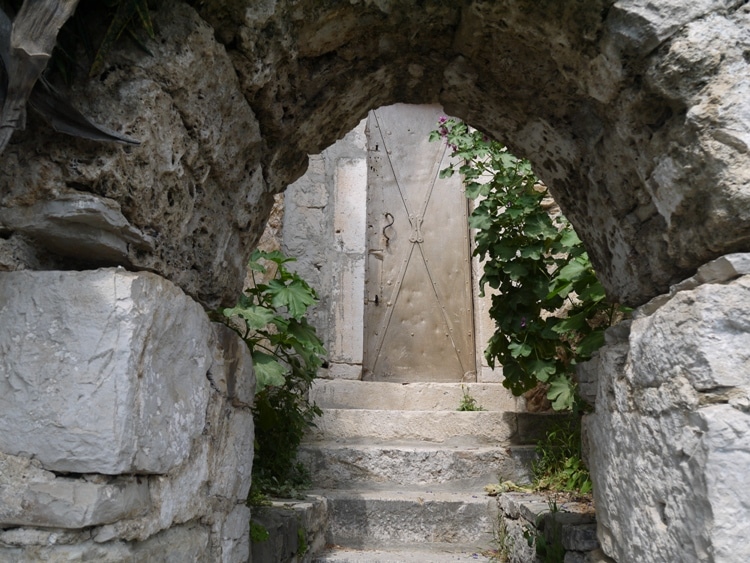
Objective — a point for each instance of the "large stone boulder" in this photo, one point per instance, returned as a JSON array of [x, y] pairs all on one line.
[[668, 440], [126, 422], [101, 372]]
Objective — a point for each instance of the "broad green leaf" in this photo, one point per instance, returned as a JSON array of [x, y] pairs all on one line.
[[516, 270], [590, 344], [572, 270], [561, 393], [256, 317], [569, 238], [295, 296], [572, 323], [533, 251], [504, 251], [520, 349], [594, 292], [542, 369], [268, 371]]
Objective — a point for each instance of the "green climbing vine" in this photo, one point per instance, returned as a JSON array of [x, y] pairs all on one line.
[[287, 354], [549, 308]]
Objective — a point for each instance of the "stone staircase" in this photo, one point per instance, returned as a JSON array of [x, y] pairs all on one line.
[[403, 471]]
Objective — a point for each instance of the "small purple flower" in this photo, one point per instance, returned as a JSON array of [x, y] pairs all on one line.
[[442, 120], [523, 322], [443, 131], [453, 147]]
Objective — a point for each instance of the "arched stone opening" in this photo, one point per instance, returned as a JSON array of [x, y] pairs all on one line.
[[635, 115], [632, 114], [610, 102]]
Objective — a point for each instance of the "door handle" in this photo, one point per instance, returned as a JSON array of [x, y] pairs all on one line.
[[388, 217]]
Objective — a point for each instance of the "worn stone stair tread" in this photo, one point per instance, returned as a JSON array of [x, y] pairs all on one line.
[[429, 553], [417, 465], [467, 428], [366, 518], [382, 395]]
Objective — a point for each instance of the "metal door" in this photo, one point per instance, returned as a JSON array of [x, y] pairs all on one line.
[[418, 311]]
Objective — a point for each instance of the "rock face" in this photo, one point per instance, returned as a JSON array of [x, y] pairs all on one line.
[[669, 436], [126, 418], [189, 202], [635, 113]]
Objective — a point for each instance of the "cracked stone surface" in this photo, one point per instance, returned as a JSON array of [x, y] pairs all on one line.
[[669, 436], [635, 113]]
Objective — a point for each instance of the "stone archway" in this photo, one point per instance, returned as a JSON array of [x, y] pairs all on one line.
[[635, 114]]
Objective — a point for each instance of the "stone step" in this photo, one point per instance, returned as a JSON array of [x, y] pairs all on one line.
[[347, 394], [434, 553], [419, 465], [403, 519], [444, 427]]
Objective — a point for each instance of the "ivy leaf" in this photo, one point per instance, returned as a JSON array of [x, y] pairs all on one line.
[[594, 292], [256, 317], [576, 322], [516, 270], [295, 296], [572, 270], [268, 371], [520, 349], [590, 344], [561, 393], [542, 369]]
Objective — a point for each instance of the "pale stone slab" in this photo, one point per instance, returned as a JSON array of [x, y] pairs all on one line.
[[232, 368], [377, 426], [669, 435], [409, 467], [412, 396], [30, 496], [349, 220], [232, 534], [79, 224], [397, 519], [180, 544], [101, 371]]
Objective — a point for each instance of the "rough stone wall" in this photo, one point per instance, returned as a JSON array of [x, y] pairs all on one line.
[[189, 202], [636, 114], [324, 228], [126, 432], [668, 439]]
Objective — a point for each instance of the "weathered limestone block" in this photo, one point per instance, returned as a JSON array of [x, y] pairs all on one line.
[[208, 486], [193, 189], [669, 436], [231, 536], [101, 371], [232, 369], [77, 225], [30, 496], [189, 542]]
